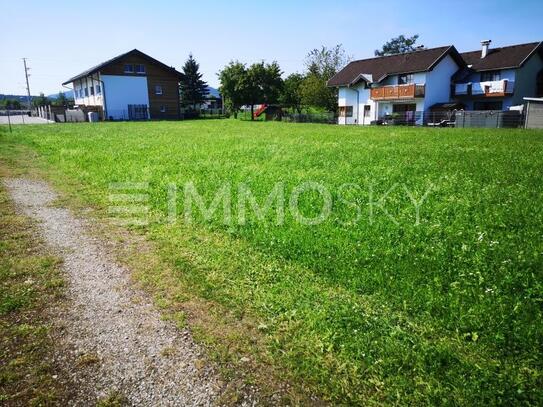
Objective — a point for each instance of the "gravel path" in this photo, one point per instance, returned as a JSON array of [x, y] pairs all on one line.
[[112, 338], [20, 119]]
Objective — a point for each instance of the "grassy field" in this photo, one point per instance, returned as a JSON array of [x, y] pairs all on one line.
[[421, 285]]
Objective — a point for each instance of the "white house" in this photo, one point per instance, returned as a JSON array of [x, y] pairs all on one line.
[[131, 86], [403, 84], [411, 85]]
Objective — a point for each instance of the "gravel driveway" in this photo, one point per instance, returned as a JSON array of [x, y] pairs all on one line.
[[20, 119], [112, 338]]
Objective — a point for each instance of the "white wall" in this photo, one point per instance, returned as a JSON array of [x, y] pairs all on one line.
[[90, 100], [438, 83], [121, 91], [348, 97]]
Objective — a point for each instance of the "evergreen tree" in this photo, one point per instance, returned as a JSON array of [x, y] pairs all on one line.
[[193, 89], [398, 45]]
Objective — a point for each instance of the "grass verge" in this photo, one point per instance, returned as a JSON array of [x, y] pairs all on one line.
[[30, 282]]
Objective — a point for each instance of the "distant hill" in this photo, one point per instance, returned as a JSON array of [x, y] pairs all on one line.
[[69, 95], [20, 98], [213, 92], [23, 98]]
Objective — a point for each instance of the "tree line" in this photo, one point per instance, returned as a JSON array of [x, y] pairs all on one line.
[[248, 85], [243, 85]]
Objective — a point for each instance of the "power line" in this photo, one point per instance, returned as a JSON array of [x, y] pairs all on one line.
[[27, 84]]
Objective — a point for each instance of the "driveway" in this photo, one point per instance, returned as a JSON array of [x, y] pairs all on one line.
[[23, 119]]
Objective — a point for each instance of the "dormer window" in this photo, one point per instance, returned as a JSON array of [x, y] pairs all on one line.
[[405, 79], [490, 76]]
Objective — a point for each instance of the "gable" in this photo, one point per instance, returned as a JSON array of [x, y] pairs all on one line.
[[115, 66], [381, 67]]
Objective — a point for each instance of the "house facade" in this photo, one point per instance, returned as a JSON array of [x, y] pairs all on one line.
[[498, 78], [410, 86], [131, 86]]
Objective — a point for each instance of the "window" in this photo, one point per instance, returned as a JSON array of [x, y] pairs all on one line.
[[345, 111], [490, 76], [128, 68], [158, 90], [405, 79], [92, 90], [367, 109], [162, 109], [98, 90], [140, 68], [86, 92]]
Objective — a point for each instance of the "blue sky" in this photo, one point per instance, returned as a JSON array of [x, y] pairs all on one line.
[[61, 39]]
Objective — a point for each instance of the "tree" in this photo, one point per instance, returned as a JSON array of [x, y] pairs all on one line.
[[11, 104], [321, 65], [291, 95], [398, 45], [263, 84], [61, 100], [260, 83], [315, 92], [233, 88], [40, 100], [193, 89]]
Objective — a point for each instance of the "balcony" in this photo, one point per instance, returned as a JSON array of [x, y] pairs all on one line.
[[397, 92], [499, 88]]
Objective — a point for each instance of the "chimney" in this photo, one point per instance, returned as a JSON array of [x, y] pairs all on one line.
[[485, 44]]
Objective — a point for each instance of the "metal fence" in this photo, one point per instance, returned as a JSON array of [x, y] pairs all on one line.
[[454, 118], [324, 118]]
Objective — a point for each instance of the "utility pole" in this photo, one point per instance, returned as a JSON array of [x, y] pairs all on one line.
[[27, 85]]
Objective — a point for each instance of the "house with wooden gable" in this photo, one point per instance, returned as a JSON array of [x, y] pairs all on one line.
[[131, 86]]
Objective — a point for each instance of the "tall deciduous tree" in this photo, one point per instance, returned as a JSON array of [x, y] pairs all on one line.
[[399, 45], [321, 65], [193, 88], [264, 84], [233, 88], [291, 95]]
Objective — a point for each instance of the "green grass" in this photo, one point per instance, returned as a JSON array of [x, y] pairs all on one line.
[[29, 282], [387, 309]]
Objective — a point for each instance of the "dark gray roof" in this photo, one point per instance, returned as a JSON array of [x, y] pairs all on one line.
[[512, 56], [135, 51], [381, 67]]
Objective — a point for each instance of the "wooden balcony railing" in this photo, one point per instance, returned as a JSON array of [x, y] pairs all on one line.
[[397, 92]]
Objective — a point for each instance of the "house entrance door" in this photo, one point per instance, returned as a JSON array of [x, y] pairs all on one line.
[[405, 112]]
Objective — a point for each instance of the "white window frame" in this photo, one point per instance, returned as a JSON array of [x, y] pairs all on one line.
[[158, 90], [142, 72], [131, 70], [98, 89], [162, 108]]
